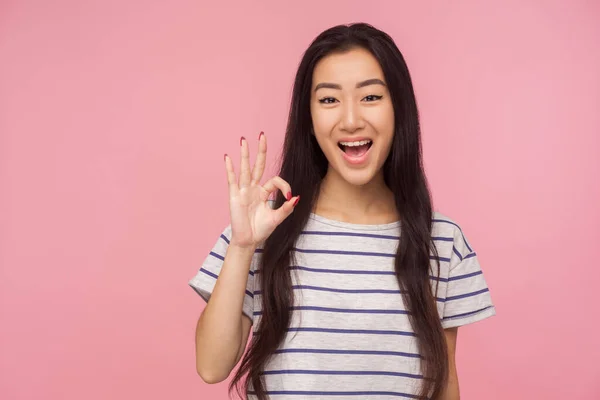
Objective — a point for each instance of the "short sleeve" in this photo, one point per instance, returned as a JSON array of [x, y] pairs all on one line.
[[468, 298], [205, 279]]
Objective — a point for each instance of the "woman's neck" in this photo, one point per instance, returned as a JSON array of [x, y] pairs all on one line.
[[372, 203]]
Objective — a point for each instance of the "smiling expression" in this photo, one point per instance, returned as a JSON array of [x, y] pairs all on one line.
[[352, 114]]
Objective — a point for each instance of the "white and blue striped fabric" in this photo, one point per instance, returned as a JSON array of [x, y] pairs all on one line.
[[350, 335]]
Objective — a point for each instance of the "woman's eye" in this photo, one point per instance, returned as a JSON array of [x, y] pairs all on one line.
[[327, 100], [372, 97], [331, 100]]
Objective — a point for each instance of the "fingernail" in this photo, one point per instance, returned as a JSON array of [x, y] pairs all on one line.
[[242, 139], [297, 200], [288, 196], [261, 135], [225, 157]]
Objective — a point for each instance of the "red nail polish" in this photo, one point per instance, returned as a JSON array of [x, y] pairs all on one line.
[[261, 135], [225, 157], [288, 196], [297, 200], [241, 139]]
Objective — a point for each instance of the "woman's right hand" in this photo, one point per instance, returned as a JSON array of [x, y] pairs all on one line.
[[252, 218]]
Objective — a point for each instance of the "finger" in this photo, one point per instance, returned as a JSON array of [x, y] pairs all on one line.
[[277, 182], [245, 164], [286, 209], [233, 187], [261, 159]]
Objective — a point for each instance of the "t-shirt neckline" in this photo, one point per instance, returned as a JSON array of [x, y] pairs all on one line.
[[353, 226]]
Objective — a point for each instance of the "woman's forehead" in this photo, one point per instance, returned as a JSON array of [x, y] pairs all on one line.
[[350, 67]]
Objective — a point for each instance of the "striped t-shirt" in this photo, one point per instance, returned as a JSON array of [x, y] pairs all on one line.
[[350, 336]]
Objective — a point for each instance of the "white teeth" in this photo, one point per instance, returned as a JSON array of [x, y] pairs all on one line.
[[352, 144]]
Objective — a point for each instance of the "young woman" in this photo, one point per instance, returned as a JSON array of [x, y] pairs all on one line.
[[353, 286]]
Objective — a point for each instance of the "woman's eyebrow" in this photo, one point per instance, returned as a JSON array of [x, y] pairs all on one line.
[[359, 85]]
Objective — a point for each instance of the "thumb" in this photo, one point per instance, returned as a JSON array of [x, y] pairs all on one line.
[[286, 209]]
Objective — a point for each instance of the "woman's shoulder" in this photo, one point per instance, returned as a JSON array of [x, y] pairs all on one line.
[[445, 226], [448, 229], [440, 218]]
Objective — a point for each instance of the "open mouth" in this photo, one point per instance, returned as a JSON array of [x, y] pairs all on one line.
[[355, 149]]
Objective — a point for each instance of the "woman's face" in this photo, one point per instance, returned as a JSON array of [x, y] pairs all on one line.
[[352, 114]]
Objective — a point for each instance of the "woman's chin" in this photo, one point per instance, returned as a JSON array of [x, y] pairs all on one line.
[[357, 177]]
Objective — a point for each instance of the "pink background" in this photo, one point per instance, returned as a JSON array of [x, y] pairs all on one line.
[[114, 117]]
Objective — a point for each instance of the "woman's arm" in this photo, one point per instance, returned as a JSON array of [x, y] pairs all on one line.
[[222, 330], [451, 391]]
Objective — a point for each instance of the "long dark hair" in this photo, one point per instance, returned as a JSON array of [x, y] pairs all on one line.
[[303, 166]]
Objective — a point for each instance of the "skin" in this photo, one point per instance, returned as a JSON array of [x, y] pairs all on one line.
[[222, 330], [353, 193]]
